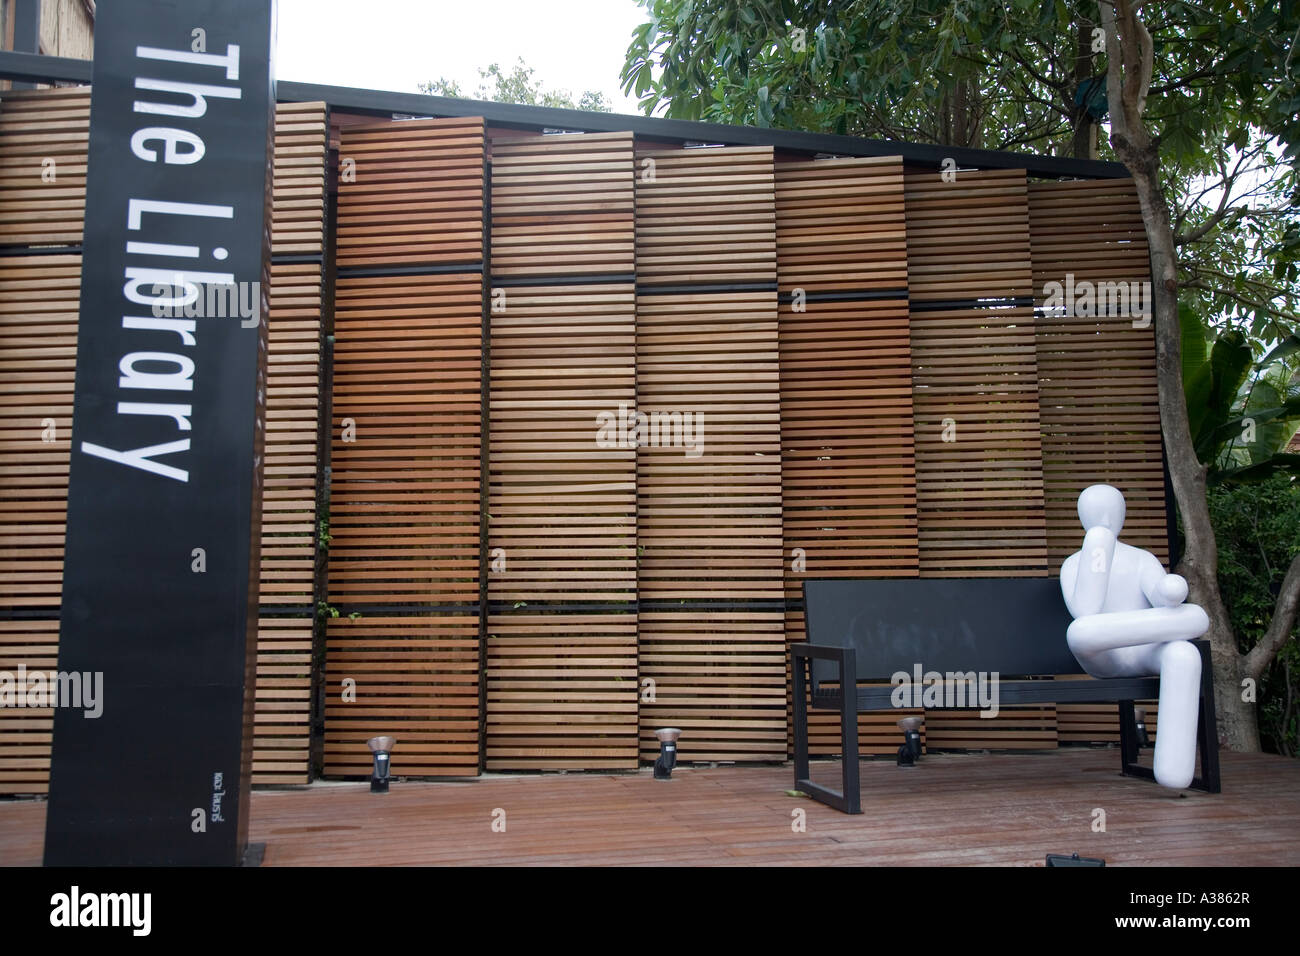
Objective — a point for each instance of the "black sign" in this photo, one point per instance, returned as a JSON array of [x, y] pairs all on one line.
[[164, 500]]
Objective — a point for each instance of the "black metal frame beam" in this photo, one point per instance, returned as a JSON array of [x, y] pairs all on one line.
[[30, 66]]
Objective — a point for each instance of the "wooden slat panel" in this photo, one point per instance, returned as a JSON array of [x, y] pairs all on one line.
[[562, 205], [562, 689], [709, 519], [292, 423], [848, 472], [563, 502], [720, 677], [43, 140], [414, 194], [404, 514], [25, 733], [404, 509], [298, 210], [562, 692], [979, 493], [39, 301], [705, 215], [978, 452], [282, 717], [1097, 392], [415, 678], [406, 447], [1097, 382]]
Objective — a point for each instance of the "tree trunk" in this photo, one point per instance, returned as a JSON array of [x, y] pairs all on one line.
[[1084, 141], [1129, 54]]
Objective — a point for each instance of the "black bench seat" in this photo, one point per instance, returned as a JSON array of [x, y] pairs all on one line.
[[866, 630]]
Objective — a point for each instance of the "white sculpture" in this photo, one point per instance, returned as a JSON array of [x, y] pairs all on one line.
[[1130, 621]]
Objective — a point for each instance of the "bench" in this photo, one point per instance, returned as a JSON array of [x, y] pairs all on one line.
[[868, 630]]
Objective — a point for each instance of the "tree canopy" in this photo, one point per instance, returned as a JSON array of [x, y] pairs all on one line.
[[518, 85]]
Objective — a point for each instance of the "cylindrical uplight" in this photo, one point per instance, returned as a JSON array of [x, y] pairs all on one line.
[[381, 747]]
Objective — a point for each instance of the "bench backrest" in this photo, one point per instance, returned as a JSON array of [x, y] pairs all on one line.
[[1015, 626]]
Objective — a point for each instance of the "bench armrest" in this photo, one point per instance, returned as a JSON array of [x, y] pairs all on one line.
[[845, 657]]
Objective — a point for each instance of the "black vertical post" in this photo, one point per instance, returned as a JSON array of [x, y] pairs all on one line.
[[27, 32], [849, 731], [159, 610], [1128, 738], [1207, 724], [799, 701]]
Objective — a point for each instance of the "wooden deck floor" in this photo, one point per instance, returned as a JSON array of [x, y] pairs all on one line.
[[1007, 809]]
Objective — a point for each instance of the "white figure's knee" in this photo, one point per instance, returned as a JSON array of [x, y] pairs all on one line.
[[1086, 635], [1180, 660]]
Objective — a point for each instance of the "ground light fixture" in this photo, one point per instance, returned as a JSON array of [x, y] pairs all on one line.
[[910, 752], [381, 747], [1140, 715], [1060, 859], [667, 752]]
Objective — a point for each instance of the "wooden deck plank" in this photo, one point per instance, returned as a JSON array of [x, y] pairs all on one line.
[[985, 809]]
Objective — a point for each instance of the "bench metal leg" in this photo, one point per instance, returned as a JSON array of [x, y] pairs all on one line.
[[849, 799], [1207, 738], [1207, 726]]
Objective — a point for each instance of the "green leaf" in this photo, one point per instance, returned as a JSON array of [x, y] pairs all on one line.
[[1278, 464], [1230, 360], [1287, 347]]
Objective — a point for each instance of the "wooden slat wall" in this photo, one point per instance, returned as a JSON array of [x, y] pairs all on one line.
[[43, 140], [39, 302], [1097, 384], [709, 527], [406, 446], [562, 687], [645, 278], [979, 495], [848, 476]]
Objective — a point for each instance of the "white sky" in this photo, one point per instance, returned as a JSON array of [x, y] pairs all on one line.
[[396, 44]]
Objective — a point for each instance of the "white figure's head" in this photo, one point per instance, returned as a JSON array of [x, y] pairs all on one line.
[[1102, 505]]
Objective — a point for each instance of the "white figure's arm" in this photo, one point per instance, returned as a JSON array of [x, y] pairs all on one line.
[[1160, 588], [1092, 572]]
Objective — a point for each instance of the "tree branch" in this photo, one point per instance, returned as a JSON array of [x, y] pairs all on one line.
[[1279, 629]]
